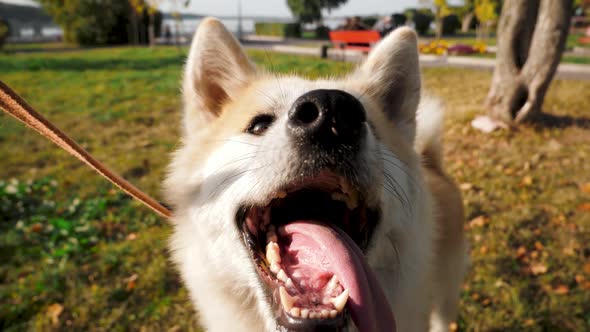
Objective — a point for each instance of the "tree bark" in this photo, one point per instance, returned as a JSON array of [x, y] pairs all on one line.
[[466, 23], [531, 39]]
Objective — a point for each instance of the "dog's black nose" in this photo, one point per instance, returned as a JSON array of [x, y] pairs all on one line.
[[326, 117]]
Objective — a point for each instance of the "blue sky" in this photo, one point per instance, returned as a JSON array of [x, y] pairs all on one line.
[[278, 7]]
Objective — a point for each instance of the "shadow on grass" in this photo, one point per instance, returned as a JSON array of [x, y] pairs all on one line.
[[81, 64], [546, 120]]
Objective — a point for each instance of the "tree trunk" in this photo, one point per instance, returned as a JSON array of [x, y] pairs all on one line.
[[151, 31], [466, 23], [438, 28], [531, 38]]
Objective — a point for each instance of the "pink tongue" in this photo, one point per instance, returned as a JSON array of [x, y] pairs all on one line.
[[317, 244]]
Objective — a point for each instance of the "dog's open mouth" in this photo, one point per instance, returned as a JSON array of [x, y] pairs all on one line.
[[307, 244]]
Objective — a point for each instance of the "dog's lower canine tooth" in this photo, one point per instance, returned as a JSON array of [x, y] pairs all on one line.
[[282, 276], [281, 194], [295, 312], [286, 300], [273, 253], [340, 301]]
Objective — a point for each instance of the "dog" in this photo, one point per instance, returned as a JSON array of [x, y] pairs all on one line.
[[320, 205]]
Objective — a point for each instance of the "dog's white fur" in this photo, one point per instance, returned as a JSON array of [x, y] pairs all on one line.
[[219, 167]]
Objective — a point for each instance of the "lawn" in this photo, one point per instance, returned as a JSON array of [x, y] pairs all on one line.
[[78, 255]]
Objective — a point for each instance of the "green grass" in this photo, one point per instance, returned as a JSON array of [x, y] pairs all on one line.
[[70, 240]]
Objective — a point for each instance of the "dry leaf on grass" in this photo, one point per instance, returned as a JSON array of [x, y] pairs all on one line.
[[586, 187], [53, 312], [478, 221], [538, 269], [131, 282], [521, 251], [584, 207], [527, 180], [466, 186], [561, 290]]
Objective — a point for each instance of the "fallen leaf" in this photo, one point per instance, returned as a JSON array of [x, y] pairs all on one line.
[[586, 187], [586, 268], [478, 221], [527, 180], [529, 322], [521, 251], [131, 282], [174, 328], [584, 207], [37, 228], [586, 285], [579, 278], [131, 236], [453, 327], [466, 186], [561, 290], [538, 269], [483, 250], [539, 245], [53, 312]]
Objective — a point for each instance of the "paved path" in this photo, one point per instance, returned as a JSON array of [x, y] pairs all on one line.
[[564, 71]]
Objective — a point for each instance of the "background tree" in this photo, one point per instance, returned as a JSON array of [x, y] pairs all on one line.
[[98, 22], [308, 11], [531, 38], [486, 12], [3, 32], [441, 10]]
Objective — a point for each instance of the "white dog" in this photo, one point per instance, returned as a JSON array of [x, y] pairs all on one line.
[[313, 205]]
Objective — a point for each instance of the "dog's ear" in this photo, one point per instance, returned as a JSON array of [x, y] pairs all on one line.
[[217, 68], [391, 76]]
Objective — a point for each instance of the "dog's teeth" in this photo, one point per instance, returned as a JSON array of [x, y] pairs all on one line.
[[331, 285], [271, 236], [273, 253], [295, 312], [340, 301], [325, 313], [313, 315], [304, 313], [282, 276], [275, 267], [297, 274], [289, 283], [286, 299], [333, 313]]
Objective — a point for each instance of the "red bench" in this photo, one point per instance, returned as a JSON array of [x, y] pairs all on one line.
[[361, 40]]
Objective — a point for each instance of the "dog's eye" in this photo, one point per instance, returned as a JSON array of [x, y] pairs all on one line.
[[260, 124]]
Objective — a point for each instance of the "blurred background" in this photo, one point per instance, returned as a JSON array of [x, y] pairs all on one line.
[[76, 254]]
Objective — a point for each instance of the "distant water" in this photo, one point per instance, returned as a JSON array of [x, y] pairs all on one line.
[[188, 26]]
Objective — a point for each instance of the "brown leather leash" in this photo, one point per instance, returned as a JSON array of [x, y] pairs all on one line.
[[16, 106]]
